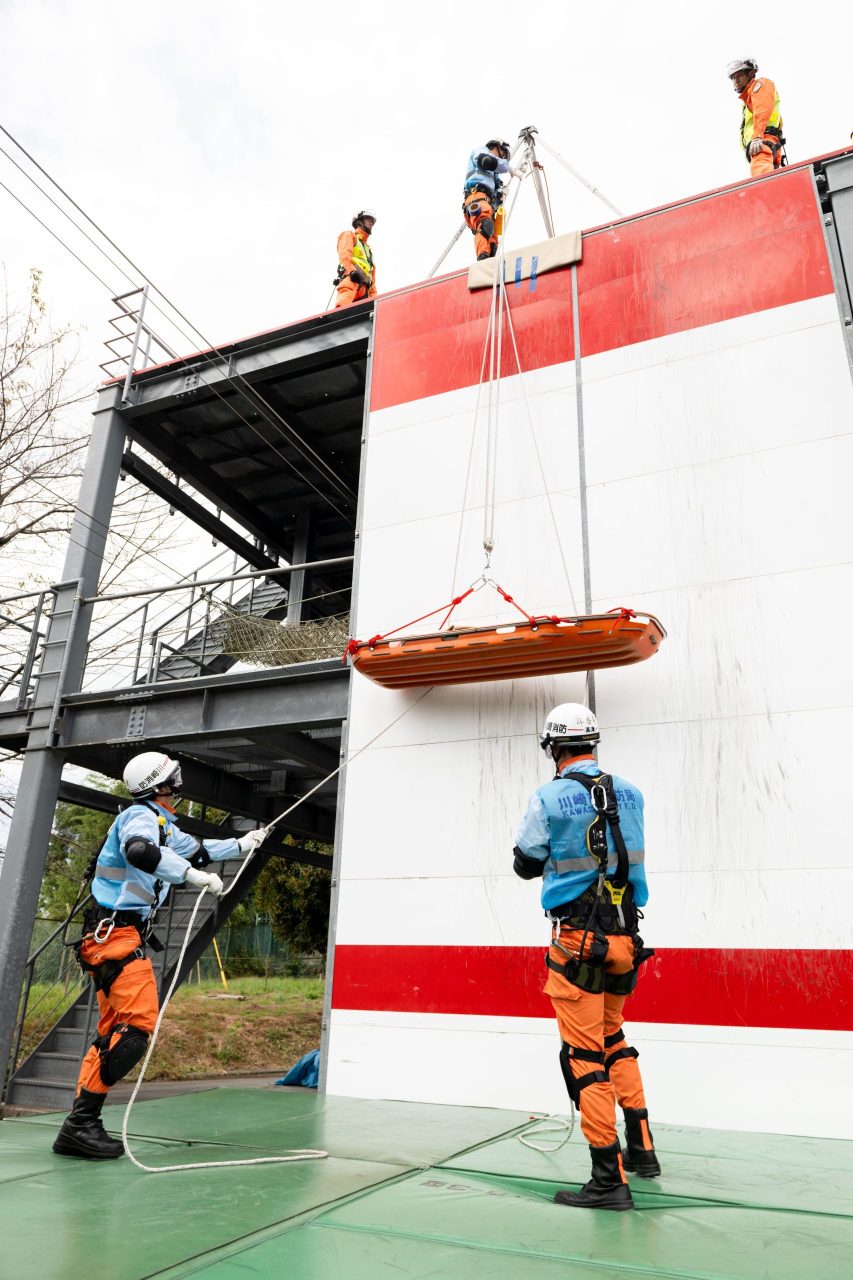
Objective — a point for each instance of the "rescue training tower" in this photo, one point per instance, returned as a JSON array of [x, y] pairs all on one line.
[[672, 434]]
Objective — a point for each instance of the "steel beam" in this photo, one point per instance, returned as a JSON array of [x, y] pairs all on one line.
[[61, 669], [204, 375], [216, 707], [142, 471], [106, 802]]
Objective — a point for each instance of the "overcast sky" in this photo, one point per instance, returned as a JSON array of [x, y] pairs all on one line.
[[224, 146]]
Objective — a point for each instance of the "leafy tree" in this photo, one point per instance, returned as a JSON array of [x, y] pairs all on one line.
[[40, 450], [296, 898], [78, 833]]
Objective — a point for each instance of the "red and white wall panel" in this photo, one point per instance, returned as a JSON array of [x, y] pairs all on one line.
[[717, 404]]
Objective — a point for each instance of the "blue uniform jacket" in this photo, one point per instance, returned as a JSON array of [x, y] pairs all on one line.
[[121, 887], [477, 177], [554, 830]]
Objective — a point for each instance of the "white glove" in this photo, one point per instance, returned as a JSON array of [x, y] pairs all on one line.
[[205, 880], [756, 147], [250, 841]]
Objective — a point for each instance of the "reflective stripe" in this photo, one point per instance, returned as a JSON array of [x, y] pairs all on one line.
[[746, 122], [137, 891], [636, 857], [362, 257], [106, 872]]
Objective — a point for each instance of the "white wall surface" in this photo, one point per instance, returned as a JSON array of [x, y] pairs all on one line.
[[718, 464]]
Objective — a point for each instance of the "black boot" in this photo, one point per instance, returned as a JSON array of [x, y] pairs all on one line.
[[635, 1157], [605, 1189], [83, 1134]]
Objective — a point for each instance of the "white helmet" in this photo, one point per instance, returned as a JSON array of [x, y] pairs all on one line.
[[358, 220], [742, 64], [571, 724], [149, 772]]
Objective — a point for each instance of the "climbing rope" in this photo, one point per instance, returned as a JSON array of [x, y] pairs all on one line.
[[288, 1157], [552, 1126]]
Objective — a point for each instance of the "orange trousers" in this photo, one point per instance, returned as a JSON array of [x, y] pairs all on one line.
[[765, 162], [585, 1020], [477, 210], [349, 291], [132, 999]]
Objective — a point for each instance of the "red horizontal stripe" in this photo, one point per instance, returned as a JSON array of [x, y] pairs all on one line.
[[703, 987], [732, 253], [431, 340]]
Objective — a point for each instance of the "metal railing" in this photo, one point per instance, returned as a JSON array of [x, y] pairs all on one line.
[[140, 645], [52, 982], [142, 626], [19, 655]]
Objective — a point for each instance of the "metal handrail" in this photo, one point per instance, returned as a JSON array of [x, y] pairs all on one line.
[[28, 983], [191, 579]]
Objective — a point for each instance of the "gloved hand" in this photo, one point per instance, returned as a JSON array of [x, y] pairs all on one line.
[[251, 840], [358, 276], [205, 880], [755, 147]]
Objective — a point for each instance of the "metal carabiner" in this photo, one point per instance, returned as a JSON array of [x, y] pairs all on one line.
[[598, 796], [110, 922]]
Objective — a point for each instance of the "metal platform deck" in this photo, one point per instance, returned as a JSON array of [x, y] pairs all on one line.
[[411, 1190]]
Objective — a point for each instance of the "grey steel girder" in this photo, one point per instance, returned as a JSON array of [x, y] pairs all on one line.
[[197, 376], [142, 471], [290, 699]]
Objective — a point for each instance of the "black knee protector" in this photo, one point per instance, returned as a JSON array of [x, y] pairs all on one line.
[[126, 1051], [575, 1084], [487, 227]]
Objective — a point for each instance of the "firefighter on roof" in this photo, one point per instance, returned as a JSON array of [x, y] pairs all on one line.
[[761, 119], [481, 197], [144, 853], [583, 833], [356, 278]]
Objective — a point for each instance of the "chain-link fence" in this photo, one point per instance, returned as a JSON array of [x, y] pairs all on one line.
[[54, 980], [251, 950]]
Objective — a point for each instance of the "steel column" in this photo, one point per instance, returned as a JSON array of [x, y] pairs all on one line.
[[61, 671]]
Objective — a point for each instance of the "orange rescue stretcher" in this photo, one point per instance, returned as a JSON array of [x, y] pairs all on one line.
[[538, 647]]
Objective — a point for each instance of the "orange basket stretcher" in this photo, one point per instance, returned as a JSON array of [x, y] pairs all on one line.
[[541, 646]]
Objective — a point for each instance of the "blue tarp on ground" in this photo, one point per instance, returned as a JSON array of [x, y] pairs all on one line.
[[306, 1072]]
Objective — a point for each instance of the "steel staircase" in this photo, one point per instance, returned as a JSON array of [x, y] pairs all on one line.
[[46, 1077]]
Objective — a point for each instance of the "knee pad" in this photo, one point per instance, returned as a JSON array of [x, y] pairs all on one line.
[[487, 227], [124, 1048], [576, 1084]]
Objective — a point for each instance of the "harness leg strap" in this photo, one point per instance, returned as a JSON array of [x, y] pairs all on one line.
[[618, 1049], [576, 1084]]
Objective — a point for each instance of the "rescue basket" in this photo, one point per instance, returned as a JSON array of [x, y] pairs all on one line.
[[540, 646]]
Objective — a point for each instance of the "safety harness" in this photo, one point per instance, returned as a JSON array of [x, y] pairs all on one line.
[[606, 908], [99, 922]]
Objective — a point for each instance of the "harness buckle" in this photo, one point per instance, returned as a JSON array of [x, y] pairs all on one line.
[[110, 922]]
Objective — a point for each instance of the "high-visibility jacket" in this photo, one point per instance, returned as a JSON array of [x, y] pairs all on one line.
[[121, 887], [354, 251], [761, 112], [554, 830]]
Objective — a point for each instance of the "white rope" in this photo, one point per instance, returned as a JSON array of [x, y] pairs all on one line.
[[291, 1156], [539, 454], [552, 1126]]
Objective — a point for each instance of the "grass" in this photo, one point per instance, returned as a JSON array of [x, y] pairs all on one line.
[[205, 1035]]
